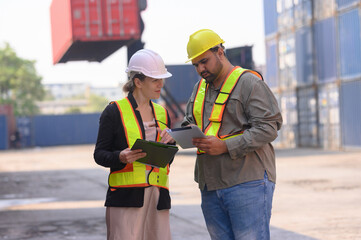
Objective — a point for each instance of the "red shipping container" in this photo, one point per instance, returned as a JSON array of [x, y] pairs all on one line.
[[7, 110], [92, 29]]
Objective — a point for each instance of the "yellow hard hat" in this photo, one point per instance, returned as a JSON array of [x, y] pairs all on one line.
[[201, 41]]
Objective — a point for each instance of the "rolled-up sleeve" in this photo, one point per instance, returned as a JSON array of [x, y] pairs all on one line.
[[263, 115]]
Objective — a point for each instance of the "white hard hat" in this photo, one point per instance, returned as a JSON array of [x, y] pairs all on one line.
[[149, 63]]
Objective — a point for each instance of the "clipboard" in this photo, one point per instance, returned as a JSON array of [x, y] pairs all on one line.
[[184, 135], [158, 154]]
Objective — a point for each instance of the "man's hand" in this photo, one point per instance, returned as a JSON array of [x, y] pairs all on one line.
[[211, 145]]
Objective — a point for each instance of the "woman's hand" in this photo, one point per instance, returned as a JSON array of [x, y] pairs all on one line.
[[129, 156], [166, 138]]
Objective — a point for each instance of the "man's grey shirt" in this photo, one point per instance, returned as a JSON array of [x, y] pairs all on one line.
[[251, 108]]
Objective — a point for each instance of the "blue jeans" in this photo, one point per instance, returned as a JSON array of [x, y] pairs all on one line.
[[239, 212]]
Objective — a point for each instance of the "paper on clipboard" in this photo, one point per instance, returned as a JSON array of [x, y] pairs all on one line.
[[183, 136]]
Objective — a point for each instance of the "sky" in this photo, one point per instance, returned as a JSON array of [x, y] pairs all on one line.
[[25, 25]]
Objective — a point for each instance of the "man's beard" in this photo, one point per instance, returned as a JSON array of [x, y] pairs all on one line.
[[212, 76], [209, 78]]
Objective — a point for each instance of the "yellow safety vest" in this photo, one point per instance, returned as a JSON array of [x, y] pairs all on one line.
[[138, 174], [219, 105]]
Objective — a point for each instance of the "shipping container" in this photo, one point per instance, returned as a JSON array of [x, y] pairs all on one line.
[[270, 16], [289, 131], [307, 117], [4, 136], [325, 50], [278, 141], [285, 20], [287, 61], [69, 129], [180, 85], [8, 111], [323, 9], [25, 128], [92, 29], [341, 4], [304, 56], [241, 56], [302, 12], [271, 76], [329, 116], [350, 44], [350, 113]]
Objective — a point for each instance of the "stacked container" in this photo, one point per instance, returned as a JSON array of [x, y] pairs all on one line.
[[313, 51]]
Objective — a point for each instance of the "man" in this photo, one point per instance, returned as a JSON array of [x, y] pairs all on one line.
[[235, 167]]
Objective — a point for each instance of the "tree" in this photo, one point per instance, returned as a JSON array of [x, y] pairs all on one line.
[[20, 85], [96, 103]]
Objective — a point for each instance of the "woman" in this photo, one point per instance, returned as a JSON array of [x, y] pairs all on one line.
[[138, 201]]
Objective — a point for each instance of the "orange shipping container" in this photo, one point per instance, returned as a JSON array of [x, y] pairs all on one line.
[[92, 29]]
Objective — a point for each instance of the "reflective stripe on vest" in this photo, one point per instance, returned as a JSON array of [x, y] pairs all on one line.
[[138, 174], [219, 105]]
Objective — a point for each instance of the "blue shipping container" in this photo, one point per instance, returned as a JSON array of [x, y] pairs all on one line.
[[325, 46], [303, 13], [307, 117], [329, 116], [304, 58], [53, 130], [271, 63], [350, 44], [270, 16], [24, 126], [3, 133], [181, 84], [346, 3], [350, 108]]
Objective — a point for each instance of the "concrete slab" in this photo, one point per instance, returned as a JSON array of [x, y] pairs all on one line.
[[58, 193]]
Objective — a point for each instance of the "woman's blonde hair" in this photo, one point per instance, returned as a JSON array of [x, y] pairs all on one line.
[[129, 86]]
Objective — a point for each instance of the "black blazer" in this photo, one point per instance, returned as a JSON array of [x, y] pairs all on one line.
[[110, 142]]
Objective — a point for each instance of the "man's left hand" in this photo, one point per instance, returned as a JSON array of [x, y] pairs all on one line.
[[211, 145]]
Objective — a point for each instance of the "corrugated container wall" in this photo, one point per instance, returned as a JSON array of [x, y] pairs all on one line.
[[287, 61], [323, 9], [302, 13], [25, 128], [69, 130], [325, 48], [241, 56], [271, 76], [307, 117], [350, 44], [270, 16], [180, 85], [3, 133], [350, 108], [288, 133], [304, 56], [329, 116], [285, 12], [92, 30], [346, 3]]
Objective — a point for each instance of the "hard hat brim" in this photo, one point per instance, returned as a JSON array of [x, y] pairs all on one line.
[[161, 76]]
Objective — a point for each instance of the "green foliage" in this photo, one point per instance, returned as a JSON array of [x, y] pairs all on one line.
[[96, 103], [72, 110], [20, 84]]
